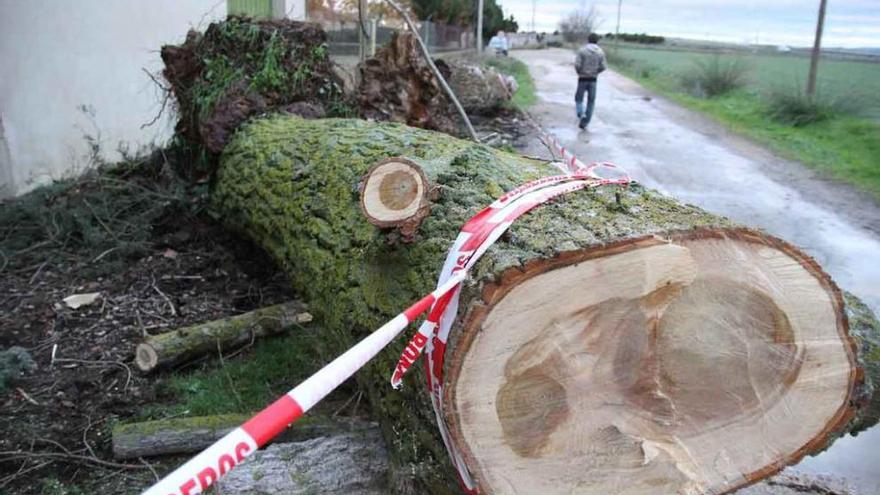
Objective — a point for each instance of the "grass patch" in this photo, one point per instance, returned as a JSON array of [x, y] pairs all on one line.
[[241, 386], [51, 486], [844, 147], [714, 77], [769, 71], [525, 95], [791, 105], [617, 58]]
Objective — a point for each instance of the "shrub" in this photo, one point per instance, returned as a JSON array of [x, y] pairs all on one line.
[[615, 58], [791, 105], [108, 213], [716, 76]]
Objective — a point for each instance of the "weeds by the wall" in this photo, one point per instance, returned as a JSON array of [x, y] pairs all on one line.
[[107, 213]]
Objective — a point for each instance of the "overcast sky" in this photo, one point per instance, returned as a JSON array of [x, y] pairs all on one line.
[[848, 23]]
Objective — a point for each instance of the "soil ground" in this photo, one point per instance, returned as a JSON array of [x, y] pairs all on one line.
[[55, 421]]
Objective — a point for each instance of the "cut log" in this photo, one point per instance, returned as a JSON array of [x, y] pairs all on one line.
[[706, 359], [343, 463], [172, 348], [193, 434], [603, 346], [395, 193]]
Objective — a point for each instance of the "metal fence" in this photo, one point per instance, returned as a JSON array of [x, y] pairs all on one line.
[[340, 21]]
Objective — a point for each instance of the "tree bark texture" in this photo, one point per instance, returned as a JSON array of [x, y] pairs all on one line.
[[292, 185], [194, 434], [172, 348]]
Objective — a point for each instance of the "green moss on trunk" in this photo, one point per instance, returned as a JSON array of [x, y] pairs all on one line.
[[292, 185]]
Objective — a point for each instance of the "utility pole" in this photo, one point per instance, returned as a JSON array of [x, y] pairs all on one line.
[[479, 26], [817, 46], [617, 31], [534, 6], [363, 35]]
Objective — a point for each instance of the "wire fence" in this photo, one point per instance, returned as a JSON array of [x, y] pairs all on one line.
[[344, 31]]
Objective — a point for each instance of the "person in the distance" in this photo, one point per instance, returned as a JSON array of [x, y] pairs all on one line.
[[590, 62]]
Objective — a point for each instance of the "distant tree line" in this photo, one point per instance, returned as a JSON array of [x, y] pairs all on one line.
[[643, 38]]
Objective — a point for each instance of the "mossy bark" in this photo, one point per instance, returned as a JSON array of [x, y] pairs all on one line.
[[172, 348], [192, 434], [292, 186]]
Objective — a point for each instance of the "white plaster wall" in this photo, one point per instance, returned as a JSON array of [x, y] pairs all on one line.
[[57, 55], [295, 9]]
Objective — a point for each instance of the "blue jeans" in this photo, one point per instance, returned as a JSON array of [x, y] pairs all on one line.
[[589, 87]]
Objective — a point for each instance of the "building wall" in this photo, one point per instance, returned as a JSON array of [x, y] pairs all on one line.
[[294, 9], [70, 70]]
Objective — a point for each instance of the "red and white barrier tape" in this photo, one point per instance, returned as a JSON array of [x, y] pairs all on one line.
[[205, 469], [476, 236]]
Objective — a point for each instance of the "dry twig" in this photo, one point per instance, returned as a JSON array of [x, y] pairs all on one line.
[[166, 96], [26, 396], [164, 296]]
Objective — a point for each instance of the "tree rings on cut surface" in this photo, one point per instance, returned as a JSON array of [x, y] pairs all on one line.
[[695, 363], [395, 193]]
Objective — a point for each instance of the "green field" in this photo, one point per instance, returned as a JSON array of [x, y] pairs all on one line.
[[846, 147], [859, 81]]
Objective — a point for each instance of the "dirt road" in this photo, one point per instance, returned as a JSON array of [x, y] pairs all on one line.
[[696, 160]]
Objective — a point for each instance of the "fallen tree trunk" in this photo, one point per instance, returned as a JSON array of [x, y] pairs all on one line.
[[604, 346], [341, 463], [172, 348], [193, 434]]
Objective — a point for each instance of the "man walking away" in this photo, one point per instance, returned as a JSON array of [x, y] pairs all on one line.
[[590, 62]]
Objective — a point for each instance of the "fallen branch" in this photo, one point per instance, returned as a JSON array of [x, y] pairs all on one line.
[[172, 348]]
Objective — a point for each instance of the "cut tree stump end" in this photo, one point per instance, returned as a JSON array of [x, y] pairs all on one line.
[[695, 363], [396, 193]]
